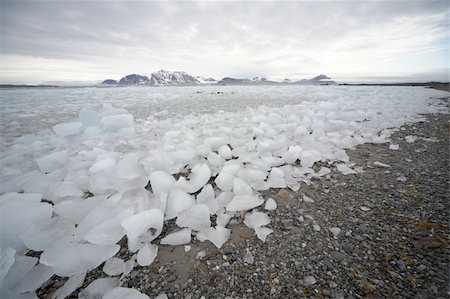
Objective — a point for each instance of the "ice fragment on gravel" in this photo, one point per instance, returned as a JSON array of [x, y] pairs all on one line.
[[51, 162], [200, 255], [46, 234], [162, 296], [218, 235], [110, 231], [363, 208], [117, 123], [240, 187], [33, 279], [316, 227], [309, 280], [410, 139], [225, 181], [225, 152], [98, 288], [335, 231], [344, 169], [180, 237], [6, 261], [196, 218], [67, 129], [69, 286], [121, 293], [307, 199], [187, 248], [248, 257], [276, 178], [161, 182], [223, 219], [102, 165], [263, 232], [178, 201], [69, 259], [256, 219], [394, 147], [244, 202], [22, 265], [147, 254], [114, 266], [199, 177], [377, 163], [137, 228], [401, 179]]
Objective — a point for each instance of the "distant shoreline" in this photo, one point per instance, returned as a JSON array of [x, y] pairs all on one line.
[[445, 86]]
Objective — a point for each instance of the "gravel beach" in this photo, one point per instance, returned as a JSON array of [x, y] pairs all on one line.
[[389, 234]]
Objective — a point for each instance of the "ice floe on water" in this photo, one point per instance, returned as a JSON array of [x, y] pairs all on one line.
[[72, 192]]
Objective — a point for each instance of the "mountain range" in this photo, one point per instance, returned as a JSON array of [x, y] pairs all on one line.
[[167, 78]]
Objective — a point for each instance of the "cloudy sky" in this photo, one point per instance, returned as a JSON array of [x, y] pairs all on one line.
[[93, 40]]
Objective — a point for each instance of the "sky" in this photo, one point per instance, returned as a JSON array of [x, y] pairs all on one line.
[[350, 41]]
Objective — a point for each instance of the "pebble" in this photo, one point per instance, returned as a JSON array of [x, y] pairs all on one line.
[[309, 280], [335, 231], [316, 227]]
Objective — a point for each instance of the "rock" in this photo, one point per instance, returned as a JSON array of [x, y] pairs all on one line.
[[309, 280]]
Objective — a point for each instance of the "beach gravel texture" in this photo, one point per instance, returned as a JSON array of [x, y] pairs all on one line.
[[382, 233]]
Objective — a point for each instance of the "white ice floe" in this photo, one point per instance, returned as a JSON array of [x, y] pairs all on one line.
[[256, 219], [181, 237], [196, 218], [244, 202], [217, 235], [139, 227]]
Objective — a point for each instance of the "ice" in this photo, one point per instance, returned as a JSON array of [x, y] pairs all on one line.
[[335, 231], [196, 218], [394, 147], [199, 177], [263, 232], [161, 296], [121, 293], [307, 199], [309, 157], [114, 266], [276, 178], [410, 139], [178, 201], [180, 237], [225, 180], [109, 231], [225, 152], [256, 219], [377, 163], [129, 265], [344, 169], [216, 142], [33, 279], [67, 129], [102, 165], [116, 123], [98, 288], [206, 194], [240, 187], [244, 202], [76, 210], [137, 228], [22, 265], [56, 228], [68, 259], [69, 286], [6, 261], [52, 161], [62, 190], [224, 198], [223, 219], [161, 182], [89, 118], [129, 167], [5, 293], [270, 204], [147, 254], [218, 235]]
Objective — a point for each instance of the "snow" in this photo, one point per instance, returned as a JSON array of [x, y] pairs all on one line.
[[127, 169]]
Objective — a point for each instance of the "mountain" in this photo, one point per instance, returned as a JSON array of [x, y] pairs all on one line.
[[166, 78], [253, 81], [203, 80], [109, 82], [134, 79], [318, 80]]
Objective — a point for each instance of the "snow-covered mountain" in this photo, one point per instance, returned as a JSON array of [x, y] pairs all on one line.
[[246, 81], [166, 78], [317, 80], [134, 79]]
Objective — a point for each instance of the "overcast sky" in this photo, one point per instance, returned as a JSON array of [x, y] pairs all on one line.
[[93, 40]]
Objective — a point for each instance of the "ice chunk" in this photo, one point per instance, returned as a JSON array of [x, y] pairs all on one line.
[[161, 182], [223, 219], [137, 228], [129, 167], [263, 232], [224, 198], [98, 288], [147, 254], [109, 231], [199, 177], [180, 237], [241, 188], [6, 261], [69, 286], [215, 142], [178, 201], [270, 204], [309, 157], [33, 279], [114, 266], [102, 165], [48, 233], [161, 296], [394, 147], [68, 259], [22, 265], [64, 189], [307, 199], [256, 219], [129, 265], [276, 178], [225, 180], [344, 169], [67, 129], [115, 123], [53, 161], [225, 152], [206, 194], [5, 293], [121, 293], [244, 202], [335, 231], [410, 138], [89, 118], [196, 218], [75, 211], [218, 235], [377, 163]]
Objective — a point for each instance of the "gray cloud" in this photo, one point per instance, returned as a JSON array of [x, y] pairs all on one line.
[[215, 38]]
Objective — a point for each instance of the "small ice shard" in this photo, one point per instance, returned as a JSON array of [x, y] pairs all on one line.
[[263, 232], [244, 202], [69, 286], [401, 179], [162, 296], [307, 199], [98, 288], [199, 178], [309, 157], [178, 201], [377, 163], [223, 219], [256, 219], [75, 211], [248, 257], [34, 279], [196, 218], [276, 178], [218, 235], [161, 182], [180, 237], [394, 147], [129, 265], [363, 208], [121, 293], [225, 152], [316, 227], [335, 231], [200, 255], [22, 265], [68, 259], [240, 187], [309, 280], [51, 162], [344, 169], [147, 254], [67, 129], [187, 248], [206, 194], [224, 198], [114, 266], [6, 261], [410, 138], [225, 180], [137, 228]]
